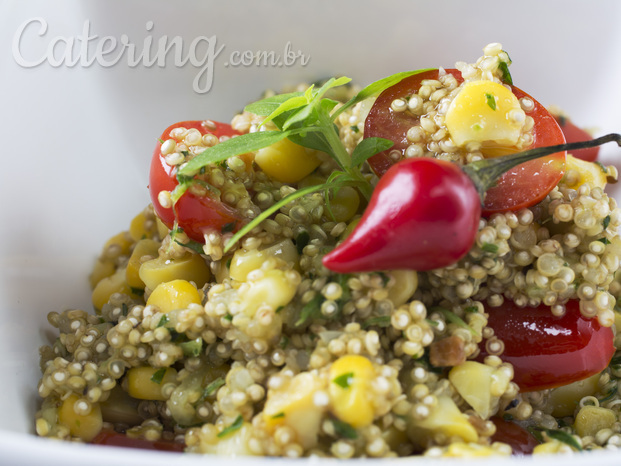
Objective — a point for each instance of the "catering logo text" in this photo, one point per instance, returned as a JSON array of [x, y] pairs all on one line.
[[32, 48]]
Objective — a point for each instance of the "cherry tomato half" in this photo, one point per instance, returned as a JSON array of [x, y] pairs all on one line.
[[520, 187], [548, 351], [114, 439], [521, 441], [194, 214], [574, 134]]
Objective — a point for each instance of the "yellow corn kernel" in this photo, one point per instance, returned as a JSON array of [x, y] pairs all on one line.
[[175, 294], [138, 228], [485, 112], [140, 383], [579, 172], [106, 287], [292, 404], [480, 385], [101, 270], [446, 419], [191, 267], [286, 161], [551, 447], [344, 204], [565, 399], [591, 419], [351, 397], [273, 289], [119, 245], [83, 426], [245, 261], [143, 248], [406, 283], [471, 450]]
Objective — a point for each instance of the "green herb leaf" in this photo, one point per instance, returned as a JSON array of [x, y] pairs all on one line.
[[506, 75], [237, 423], [491, 101], [278, 416], [380, 321], [192, 348], [606, 221], [564, 437], [231, 147], [601, 166], [344, 430], [311, 309], [267, 106], [368, 148], [490, 247], [376, 88], [163, 321], [158, 375], [212, 387], [344, 380], [454, 319], [604, 240]]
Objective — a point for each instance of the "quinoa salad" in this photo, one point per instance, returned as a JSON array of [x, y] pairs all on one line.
[[270, 302]]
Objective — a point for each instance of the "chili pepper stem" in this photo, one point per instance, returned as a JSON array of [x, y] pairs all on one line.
[[485, 173]]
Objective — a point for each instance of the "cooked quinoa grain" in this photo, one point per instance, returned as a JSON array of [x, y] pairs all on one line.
[[260, 350]]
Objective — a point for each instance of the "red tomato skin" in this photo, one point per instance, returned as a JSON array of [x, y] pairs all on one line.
[[115, 439], [522, 186], [575, 134], [548, 351], [521, 441], [194, 214], [423, 214]]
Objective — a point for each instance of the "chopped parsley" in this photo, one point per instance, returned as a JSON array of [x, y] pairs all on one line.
[[490, 100], [380, 321], [344, 380], [163, 321], [490, 247], [237, 423], [344, 430], [158, 375], [212, 387], [606, 221]]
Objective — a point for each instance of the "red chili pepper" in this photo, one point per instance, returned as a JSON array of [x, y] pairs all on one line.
[[424, 213]]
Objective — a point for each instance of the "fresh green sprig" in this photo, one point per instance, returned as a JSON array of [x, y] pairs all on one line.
[[306, 118]]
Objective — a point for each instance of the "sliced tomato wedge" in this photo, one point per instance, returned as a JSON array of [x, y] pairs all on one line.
[[575, 134], [523, 186], [548, 351], [194, 214], [115, 439]]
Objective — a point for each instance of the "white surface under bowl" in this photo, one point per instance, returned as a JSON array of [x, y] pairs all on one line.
[[80, 119]]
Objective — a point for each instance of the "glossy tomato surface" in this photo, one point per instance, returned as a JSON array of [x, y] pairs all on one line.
[[548, 351], [575, 134], [194, 214], [520, 187], [521, 441], [115, 439]]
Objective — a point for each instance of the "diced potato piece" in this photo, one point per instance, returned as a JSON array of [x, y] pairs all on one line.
[[480, 385], [565, 399], [83, 426], [176, 294], [144, 247], [274, 289], [244, 261], [292, 405], [406, 283], [191, 267], [101, 270], [231, 445], [487, 112], [286, 162], [445, 419], [591, 419], [108, 286], [351, 398], [344, 205], [140, 383], [579, 172]]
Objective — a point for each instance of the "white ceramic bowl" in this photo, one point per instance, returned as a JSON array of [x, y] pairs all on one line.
[[79, 126]]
